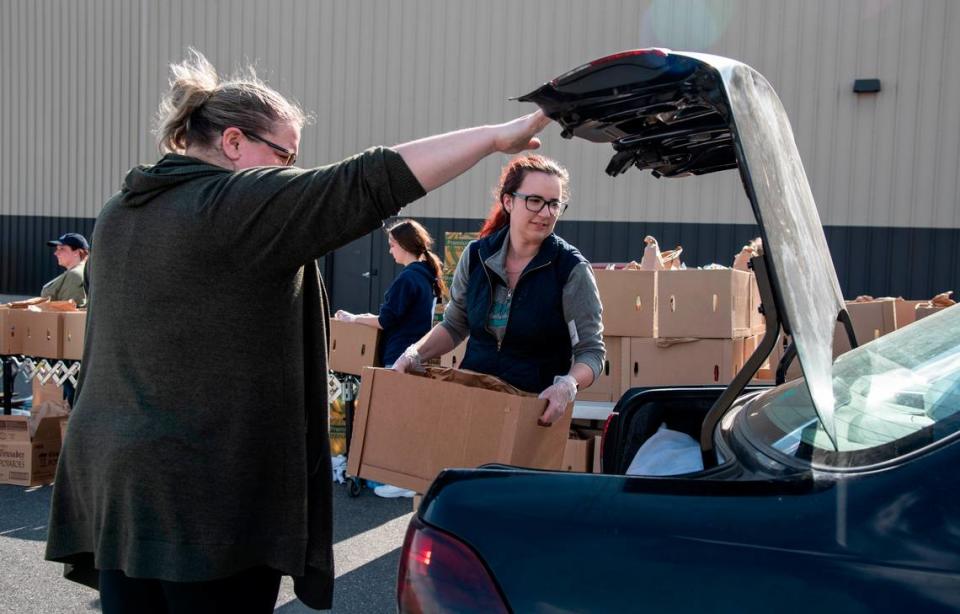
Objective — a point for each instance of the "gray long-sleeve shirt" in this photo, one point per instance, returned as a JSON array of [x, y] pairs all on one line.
[[581, 307]]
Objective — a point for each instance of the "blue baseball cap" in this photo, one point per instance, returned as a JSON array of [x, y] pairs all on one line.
[[71, 239]]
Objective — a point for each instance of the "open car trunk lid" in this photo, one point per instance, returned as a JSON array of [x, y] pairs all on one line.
[[683, 114]]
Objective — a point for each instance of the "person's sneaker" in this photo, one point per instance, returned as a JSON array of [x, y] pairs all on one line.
[[387, 491]]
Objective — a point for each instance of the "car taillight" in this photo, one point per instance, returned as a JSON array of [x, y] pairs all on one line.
[[439, 573], [626, 54], [657, 51], [603, 436]]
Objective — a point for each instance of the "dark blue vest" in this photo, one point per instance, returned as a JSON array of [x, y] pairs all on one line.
[[536, 346]]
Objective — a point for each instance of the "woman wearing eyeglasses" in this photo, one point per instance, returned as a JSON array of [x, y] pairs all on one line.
[[525, 297], [197, 468]]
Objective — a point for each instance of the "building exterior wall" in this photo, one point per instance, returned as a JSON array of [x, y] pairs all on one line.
[[79, 81]]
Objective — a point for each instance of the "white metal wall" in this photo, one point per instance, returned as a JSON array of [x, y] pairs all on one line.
[[79, 80]]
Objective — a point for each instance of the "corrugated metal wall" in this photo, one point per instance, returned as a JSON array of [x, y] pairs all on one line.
[[79, 80]]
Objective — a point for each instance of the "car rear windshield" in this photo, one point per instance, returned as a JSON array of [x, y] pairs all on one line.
[[894, 395]]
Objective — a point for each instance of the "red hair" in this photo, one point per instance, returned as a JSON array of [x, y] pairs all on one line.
[[511, 177]]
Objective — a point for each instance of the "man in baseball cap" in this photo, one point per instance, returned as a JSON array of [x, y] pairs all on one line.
[[71, 239], [71, 251]]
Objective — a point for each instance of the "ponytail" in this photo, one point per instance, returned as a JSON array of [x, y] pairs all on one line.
[[414, 238], [433, 261], [193, 82]]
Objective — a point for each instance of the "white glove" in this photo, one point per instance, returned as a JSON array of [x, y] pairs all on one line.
[[409, 361], [560, 394], [344, 316]]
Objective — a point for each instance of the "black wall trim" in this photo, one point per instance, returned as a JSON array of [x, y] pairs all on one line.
[[910, 262]]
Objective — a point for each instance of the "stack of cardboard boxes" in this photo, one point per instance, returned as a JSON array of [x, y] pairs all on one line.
[[54, 331], [669, 328], [50, 330], [661, 328], [674, 328], [45, 330], [871, 319]]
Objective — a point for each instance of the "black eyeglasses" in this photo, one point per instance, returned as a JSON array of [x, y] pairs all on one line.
[[535, 204], [289, 157]]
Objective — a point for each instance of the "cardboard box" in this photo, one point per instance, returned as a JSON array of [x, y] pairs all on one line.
[[15, 429], [74, 330], [29, 464], [794, 371], [27, 461], [9, 341], [577, 455], [629, 300], [758, 324], [925, 310], [706, 304], [684, 362], [453, 359], [353, 346], [15, 330], [409, 427], [45, 392], [597, 454], [610, 386], [40, 333], [906, 311], [870, 320], [767, 373]]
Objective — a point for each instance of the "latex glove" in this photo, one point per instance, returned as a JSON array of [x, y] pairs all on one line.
[[560, 394], [408, 361], [344, 316]]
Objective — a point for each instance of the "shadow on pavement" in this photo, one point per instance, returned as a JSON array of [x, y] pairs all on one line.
[[362, 591], [368, 530], [25, 512], [353, 516]]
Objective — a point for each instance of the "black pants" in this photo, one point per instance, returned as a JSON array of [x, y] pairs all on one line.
[[254, 590]]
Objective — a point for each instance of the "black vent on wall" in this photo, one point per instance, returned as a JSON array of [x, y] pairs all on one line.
[[866, 86]]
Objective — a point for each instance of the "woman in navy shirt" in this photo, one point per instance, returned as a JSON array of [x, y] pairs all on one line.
[[407, 310]]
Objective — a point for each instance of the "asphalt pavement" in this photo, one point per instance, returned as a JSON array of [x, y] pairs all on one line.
[[368, 533]]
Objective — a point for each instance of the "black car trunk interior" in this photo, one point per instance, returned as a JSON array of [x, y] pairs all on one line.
[[663, 114]]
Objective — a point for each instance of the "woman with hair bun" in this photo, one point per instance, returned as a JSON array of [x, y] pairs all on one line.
[[525, 297], [197, 467]]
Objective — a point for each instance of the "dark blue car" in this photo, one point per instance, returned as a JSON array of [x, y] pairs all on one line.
[[838, 492]]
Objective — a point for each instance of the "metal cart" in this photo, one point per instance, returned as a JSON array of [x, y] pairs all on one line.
[[349, 387]]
